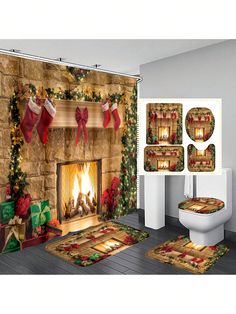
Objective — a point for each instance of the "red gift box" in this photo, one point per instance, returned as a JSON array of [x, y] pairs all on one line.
[[35, 241]]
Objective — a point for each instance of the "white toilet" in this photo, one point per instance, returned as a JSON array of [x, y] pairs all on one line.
[[208, 229]]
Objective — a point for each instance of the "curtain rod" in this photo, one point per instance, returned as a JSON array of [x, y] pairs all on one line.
[[60, 61]]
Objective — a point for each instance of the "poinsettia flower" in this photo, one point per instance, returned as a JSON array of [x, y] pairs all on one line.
[[129, 239], [213, 247], [75, 245], [115, 183], [84, 258]]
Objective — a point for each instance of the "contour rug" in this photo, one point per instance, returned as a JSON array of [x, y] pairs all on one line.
[[96, 243], [181, 252]]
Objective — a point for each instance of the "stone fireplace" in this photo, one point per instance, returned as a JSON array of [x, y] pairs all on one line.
[[78, 189], [44, 165]]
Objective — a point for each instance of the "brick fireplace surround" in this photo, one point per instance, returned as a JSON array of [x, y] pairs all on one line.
[[40, 161]]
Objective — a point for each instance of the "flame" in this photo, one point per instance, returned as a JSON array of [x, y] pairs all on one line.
[[84, 184], [163, 164], [200, 152], [164, 133], [75, 190], [199, 133]]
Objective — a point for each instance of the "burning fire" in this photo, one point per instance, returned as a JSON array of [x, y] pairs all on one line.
[[75, 190], [200, 152], [163, 133], [163, 164], [199, 133], [83, 185]]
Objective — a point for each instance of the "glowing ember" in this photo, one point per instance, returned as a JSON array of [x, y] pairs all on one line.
[[108, 246], [200, 152], [163, 133], [163, 164]]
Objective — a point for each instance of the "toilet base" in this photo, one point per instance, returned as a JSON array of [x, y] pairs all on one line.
[[207, 238]]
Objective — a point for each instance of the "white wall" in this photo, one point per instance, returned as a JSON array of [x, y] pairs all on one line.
[[208, 72]]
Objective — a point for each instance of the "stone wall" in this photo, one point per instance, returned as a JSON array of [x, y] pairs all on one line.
[[39, 161]]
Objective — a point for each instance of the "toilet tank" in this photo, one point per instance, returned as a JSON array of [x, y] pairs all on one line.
[[217, 186]]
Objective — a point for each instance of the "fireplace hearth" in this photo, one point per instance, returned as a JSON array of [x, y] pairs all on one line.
[[78, 189]]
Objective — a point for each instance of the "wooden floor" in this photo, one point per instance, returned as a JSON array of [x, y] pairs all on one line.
[[35, 260]]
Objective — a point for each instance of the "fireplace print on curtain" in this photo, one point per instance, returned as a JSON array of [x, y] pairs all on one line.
[[55, 174]]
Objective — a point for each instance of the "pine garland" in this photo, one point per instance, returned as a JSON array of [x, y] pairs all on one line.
[[17, 178], [78, 74], [128, 176]]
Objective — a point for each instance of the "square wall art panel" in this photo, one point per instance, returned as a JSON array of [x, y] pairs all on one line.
[[164, 124], [164, 158]]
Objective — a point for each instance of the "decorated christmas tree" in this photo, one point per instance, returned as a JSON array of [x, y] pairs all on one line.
[[128, 175], [17, 178]]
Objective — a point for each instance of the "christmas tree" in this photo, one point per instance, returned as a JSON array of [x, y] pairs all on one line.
[[128, 171], [17, 178]]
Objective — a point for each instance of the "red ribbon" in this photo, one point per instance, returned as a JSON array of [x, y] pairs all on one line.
[[81, 118]]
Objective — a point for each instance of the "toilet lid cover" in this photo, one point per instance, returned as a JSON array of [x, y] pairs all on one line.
[[202, 205]]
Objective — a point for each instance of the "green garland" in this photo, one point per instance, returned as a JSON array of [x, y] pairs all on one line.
[[128, 172], [78, 74], [17, 178]]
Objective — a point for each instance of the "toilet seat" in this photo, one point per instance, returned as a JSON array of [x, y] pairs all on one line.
[[202, 205]]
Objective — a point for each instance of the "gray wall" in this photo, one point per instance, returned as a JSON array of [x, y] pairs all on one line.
[[208, 72]]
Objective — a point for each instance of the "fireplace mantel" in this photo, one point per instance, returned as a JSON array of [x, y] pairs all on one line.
[[65, 117]]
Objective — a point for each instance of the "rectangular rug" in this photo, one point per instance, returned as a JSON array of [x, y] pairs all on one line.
[[96, 243], [181, 252]]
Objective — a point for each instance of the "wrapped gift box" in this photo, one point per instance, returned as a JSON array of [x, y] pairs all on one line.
[[12, 235], [40, 213], [7, 212], [53, 231], [34, 241]]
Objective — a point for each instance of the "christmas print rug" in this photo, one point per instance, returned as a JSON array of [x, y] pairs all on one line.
[[96, 243], [181, 252]]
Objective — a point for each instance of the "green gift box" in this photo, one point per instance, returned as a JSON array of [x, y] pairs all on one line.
[[7, 212], [40, 213]]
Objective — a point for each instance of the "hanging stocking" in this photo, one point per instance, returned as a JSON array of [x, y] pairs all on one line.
[[47, 115], [106, 117], [81, 118], [116, 116], [30, 118]]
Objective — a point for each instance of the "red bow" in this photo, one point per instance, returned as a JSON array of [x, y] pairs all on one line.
[[92, 238], [82, 119]]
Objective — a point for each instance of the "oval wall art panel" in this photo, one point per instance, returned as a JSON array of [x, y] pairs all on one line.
[[200, 124]]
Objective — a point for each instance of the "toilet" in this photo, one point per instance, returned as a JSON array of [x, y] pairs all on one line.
[[207, 228]]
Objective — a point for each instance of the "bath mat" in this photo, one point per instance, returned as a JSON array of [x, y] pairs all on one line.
[[96, 243], [181, 252]]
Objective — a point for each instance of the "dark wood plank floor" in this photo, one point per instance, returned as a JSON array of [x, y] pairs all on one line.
[[36, 260]]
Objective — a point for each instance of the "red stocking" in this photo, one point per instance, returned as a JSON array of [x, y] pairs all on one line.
[[29, 120], [107, 117], [47, 115], [116, 116]]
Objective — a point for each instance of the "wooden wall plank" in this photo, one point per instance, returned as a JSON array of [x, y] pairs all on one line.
[[65, 116]]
